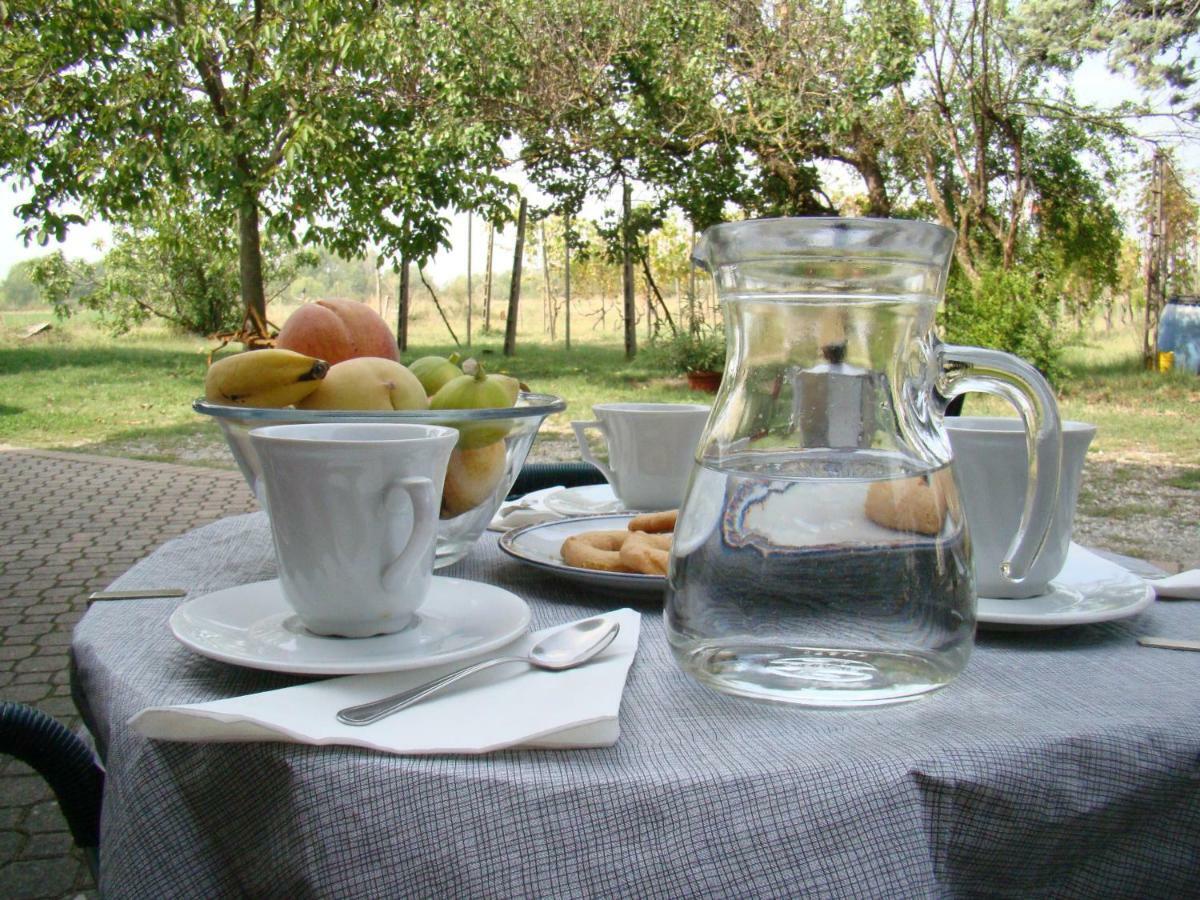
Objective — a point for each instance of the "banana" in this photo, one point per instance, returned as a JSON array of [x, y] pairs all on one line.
[[270, 378]]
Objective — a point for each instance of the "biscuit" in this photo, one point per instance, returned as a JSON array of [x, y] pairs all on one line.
[[618, 551], [598, 550], [916, 505], [642, 553], [655, 522]]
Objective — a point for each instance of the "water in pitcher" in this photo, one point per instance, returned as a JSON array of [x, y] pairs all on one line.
[[822, 577]]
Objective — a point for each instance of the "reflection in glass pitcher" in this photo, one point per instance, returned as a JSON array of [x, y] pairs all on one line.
[[821, 555]]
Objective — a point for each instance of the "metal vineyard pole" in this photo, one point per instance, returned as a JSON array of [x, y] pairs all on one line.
[[469, 294], [1155, 261], [567, 286]]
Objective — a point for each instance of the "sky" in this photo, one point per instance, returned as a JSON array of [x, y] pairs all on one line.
[[1093, 84]]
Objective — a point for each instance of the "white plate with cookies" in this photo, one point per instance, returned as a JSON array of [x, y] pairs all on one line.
[[542, 545]]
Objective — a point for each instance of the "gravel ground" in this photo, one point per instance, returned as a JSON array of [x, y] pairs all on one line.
[[1143, 507]]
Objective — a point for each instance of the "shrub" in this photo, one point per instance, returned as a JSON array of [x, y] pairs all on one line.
[[702, 350], [1014, 311]]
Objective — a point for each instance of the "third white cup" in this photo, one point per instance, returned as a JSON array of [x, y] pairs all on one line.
[[651, 448]]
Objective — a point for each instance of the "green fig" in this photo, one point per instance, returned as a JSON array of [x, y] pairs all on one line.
[[477, 391], [435, 371], [511, 385]]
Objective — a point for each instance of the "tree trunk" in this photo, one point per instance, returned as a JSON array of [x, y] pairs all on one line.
[[402, 298], [514, 291], [691, 323], [250, 267], [879, 204], [469, 296], [627, 274], [487, 281], [551, 311], [567, 277]]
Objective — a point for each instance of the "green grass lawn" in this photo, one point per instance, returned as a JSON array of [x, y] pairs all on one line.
[[1140, 415], [77, 388]]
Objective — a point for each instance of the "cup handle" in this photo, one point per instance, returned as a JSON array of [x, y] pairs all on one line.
[[580, 429], [965, 369], [396, 573]]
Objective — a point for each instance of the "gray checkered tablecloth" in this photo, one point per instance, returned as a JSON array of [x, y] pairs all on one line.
[[1063, 763]]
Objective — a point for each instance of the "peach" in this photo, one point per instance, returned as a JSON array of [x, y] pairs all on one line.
[[337, 330], [367, 382]]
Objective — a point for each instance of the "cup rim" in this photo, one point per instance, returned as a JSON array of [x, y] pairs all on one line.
[[389, 433], [1005, 425], [649, 407]]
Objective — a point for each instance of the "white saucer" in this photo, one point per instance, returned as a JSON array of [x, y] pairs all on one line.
[[588, 500], [1089, 589], [252, 625], [541, 545]]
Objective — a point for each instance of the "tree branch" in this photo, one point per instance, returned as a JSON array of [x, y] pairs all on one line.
[[441, 312]]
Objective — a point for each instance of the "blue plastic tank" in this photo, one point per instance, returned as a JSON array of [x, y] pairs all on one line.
[[1179, 332]]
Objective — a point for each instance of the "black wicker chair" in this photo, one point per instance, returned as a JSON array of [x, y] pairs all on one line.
[[67, 764], [535, 476]]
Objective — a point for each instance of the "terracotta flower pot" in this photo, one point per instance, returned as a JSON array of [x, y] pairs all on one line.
[[708, 382]]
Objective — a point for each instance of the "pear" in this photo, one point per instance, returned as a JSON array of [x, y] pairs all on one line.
[[471, 478]]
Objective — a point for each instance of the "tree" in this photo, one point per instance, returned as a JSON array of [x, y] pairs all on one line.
[[621, 93], [993, 138], [310, 116], [18, 290], [178, 265], [1154, 40], [807, 82]]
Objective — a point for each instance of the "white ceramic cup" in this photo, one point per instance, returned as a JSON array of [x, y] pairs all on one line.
[[354, 514], [651, 449], [991, 466]]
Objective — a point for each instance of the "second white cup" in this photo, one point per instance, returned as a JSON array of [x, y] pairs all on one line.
[[651, 448], [991, 462], [354, 514]]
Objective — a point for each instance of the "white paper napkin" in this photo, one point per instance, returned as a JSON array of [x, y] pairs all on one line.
[[507, 706], [529, 510], [1184, 586]]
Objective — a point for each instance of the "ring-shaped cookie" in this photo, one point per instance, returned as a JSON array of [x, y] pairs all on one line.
[[596, 550]]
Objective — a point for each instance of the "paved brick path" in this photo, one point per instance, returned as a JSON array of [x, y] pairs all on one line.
[[69, 525]]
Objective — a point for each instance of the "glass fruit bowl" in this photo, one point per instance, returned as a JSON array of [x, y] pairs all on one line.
[[492, 447]]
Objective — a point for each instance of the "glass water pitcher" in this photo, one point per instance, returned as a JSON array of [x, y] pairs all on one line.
[[821, 556]]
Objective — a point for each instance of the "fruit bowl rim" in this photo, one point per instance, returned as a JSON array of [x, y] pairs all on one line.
[[528, 406]]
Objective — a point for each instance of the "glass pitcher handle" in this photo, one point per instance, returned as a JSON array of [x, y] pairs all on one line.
[[965, 369]]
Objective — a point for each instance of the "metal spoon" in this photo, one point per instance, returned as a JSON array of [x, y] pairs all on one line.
[[563, 649]]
